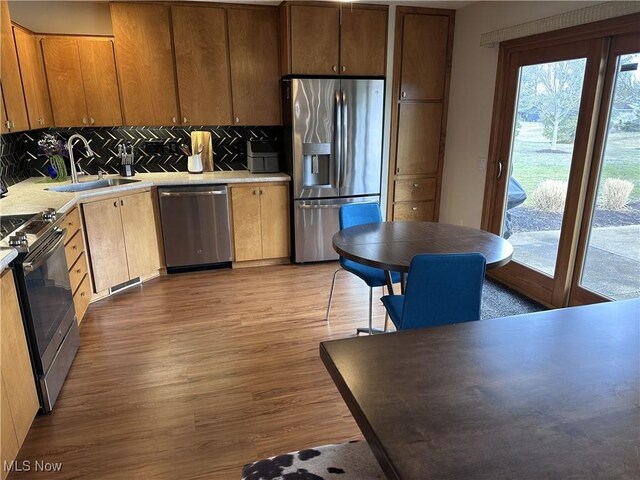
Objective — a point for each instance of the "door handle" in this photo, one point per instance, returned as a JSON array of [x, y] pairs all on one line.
[[30, 266], [499, 170], [345, 132]]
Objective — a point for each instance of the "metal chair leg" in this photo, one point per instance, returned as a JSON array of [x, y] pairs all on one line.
[[333, 284], [370, 310], [386, 316]]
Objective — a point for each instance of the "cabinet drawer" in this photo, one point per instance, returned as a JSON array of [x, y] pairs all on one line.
[[77, 272], [71, 222], [415, 211], [82, 297], [73, 248], [416, 190]]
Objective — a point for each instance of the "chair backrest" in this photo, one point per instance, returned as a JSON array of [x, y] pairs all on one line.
[[443, 289], [353, 214]]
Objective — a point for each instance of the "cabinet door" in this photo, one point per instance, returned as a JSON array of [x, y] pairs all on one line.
[[9, 72], [106, 243], [16, 363], [274, 209], [140, 238], [315, 34], [419, 133], [363, 41], [100, 82], [144, 58], [247, 228], [8, 441], [424, 57], [202, 64], [255, 79], [34, 79], [3, 113], [64, 76]]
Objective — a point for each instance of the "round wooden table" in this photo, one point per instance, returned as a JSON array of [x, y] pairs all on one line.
[[390, 246]]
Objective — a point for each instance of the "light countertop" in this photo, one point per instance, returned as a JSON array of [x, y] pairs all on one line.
[[31, 196]]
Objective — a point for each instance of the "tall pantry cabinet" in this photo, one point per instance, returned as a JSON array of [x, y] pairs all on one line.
[[422, 67]]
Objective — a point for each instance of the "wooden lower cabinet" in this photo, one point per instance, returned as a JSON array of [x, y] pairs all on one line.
[[260, 222], [19, 400], [123, 244]]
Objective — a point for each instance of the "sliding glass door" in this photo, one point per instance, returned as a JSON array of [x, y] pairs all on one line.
[[564, 179], [609, 252]]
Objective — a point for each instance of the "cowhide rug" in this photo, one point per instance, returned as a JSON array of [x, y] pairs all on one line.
[[344, 461]]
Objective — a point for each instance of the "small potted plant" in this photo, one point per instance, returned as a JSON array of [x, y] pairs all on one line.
[[56, 152]]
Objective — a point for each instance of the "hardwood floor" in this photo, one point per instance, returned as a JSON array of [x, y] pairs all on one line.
[[193, 375]]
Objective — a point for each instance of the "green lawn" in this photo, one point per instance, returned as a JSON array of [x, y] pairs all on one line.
[[530, 167]]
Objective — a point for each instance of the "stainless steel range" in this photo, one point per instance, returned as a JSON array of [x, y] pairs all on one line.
[[46, 300]]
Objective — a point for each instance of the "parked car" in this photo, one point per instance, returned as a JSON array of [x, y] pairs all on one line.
[[515, 196]]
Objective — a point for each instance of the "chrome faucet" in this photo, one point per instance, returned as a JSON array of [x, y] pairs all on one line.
[[72, 138]]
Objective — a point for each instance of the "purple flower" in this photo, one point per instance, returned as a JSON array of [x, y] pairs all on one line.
[[49, 145]]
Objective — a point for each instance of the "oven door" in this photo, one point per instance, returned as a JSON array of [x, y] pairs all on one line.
[[47, 298]]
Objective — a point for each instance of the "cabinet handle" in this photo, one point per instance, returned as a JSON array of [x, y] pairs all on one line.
[[82, 294], [237, 119], [92, 120], [398, 170], [414, 208], [79, 270], [334, 68], [184, 119], [40, 121], [75, 247], [416, 185], [344, 68], [122, 203], [403, 94], [8, 124], [115, 204], [84, 120], [254, 192], [261, 192], [174, 120]]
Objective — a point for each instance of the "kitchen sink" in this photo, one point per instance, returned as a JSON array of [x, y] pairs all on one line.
[[82, 186]]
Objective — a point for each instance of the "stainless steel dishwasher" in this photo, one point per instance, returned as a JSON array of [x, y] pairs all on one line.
[[195, 226]]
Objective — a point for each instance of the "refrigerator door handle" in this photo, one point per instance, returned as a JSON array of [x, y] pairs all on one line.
[[338, 140], [344, 142]]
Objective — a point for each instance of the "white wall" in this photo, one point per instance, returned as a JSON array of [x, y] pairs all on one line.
[[89, 18], [471, 100]]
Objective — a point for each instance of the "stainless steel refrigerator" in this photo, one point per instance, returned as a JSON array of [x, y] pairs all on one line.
[[333, 151]]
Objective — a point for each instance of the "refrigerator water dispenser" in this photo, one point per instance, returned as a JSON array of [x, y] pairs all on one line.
[[317, 171]]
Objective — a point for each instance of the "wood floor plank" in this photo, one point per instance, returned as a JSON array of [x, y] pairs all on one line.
[[192, 376]]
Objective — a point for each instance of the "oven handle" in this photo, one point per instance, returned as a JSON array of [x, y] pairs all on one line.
[[30, 266]]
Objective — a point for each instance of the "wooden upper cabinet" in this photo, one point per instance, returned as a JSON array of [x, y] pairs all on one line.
[[34, 79], [253, 50], [144, 58], [315, 33], [202, 65], [14, 103], [363, 41], [64, 76], [424, 57], [3, 113], [100, 82]]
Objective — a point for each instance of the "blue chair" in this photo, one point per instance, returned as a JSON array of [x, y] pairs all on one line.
[[441, 289], [351, 215]]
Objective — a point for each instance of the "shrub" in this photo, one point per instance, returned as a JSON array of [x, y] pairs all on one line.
[[550, 196], [615, 193]]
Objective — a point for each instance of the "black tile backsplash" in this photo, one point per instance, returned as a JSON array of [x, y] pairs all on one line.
[[20, 159]]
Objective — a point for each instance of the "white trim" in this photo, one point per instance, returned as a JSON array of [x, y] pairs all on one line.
[[581, 16]]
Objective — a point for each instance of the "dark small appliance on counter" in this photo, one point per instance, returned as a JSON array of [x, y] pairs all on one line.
[[262, 157]]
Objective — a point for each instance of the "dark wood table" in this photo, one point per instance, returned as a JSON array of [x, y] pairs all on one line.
[[545, 395], [392, 245]]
